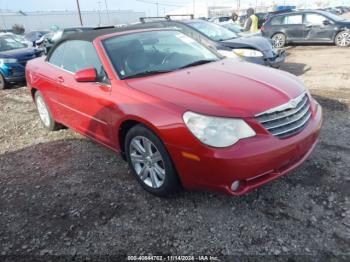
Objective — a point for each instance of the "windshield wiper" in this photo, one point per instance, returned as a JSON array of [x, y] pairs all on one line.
[[199, 62], [148, 73], [226, 39]]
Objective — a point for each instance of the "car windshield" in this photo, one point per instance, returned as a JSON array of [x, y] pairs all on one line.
[[213, 31], [8, 43], [155, 52]]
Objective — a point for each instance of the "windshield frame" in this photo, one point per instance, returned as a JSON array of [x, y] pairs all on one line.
[[116, 71]]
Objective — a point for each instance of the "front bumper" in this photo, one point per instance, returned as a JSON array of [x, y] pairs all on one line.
[[275, 60], [253, 161], [13, 72]]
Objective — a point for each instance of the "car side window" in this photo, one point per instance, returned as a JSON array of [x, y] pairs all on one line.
[[57, 55], [293, 20], [277, 20], [314, 19], [79, 55]]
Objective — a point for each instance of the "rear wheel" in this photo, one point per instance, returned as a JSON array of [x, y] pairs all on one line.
[[3, 84], [45, 114], [150, 162], [342, 39], [278, 40]]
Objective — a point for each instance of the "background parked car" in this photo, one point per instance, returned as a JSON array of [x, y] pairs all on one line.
[[307, 27], [44, 43], [239, 29], [220, 19], [257, 50], [33, 36], [19, 38], [51, 39], [13, 58]]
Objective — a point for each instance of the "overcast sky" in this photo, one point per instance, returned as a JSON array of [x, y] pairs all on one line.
[[42, 5], [48, 5], [137, 5]]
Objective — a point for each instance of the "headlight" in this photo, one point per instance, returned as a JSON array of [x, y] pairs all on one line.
[[228, 54], [248, 52], [7, 60], [217, 131]]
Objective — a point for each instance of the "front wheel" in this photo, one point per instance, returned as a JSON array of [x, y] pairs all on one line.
[[279, 40], [150, 162], [342, 39]]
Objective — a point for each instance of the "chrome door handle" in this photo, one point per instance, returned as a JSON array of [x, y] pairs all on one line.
[[60, 79]]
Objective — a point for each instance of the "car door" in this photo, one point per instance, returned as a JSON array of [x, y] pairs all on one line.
[[85, 105], [318, 28], [293, 27], [49, 82]]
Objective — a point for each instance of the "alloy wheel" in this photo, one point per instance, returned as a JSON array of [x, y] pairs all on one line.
[[343, 39], [278, 41], [43, 111], [147, 162]]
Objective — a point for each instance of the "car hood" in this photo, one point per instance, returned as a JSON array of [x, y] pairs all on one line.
[[21, 54], [224, 88], [249, 34], [345, 23], [257, 42]]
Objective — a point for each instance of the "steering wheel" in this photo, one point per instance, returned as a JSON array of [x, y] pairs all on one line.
[[168, 57]]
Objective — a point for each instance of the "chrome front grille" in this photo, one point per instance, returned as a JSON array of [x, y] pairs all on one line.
[[287, 119]]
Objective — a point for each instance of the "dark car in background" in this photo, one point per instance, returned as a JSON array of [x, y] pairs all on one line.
[[307, 26], [52, 38], [254, 49], [33, 36], [13, 58]]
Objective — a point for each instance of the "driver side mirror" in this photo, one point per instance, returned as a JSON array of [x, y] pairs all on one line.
[[326, 22], [86, 75]]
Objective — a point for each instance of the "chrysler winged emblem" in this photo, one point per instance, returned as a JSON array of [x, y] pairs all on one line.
[[293, 103]]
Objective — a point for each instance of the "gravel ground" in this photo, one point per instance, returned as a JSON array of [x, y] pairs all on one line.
[[61, 194]]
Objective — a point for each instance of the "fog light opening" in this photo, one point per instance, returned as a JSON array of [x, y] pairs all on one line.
[[235, 186]]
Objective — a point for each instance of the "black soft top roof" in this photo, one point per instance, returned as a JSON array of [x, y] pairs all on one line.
[[90, 35]]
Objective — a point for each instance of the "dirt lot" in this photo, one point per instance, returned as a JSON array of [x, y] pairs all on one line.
[[61, 194]]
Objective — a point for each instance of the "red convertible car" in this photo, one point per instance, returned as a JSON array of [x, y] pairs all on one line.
[[179, 113]]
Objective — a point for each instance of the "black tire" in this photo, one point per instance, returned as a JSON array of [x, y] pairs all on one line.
[[51, 124], [3, 84], [171, 183], [342, 39], [279, 40]]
